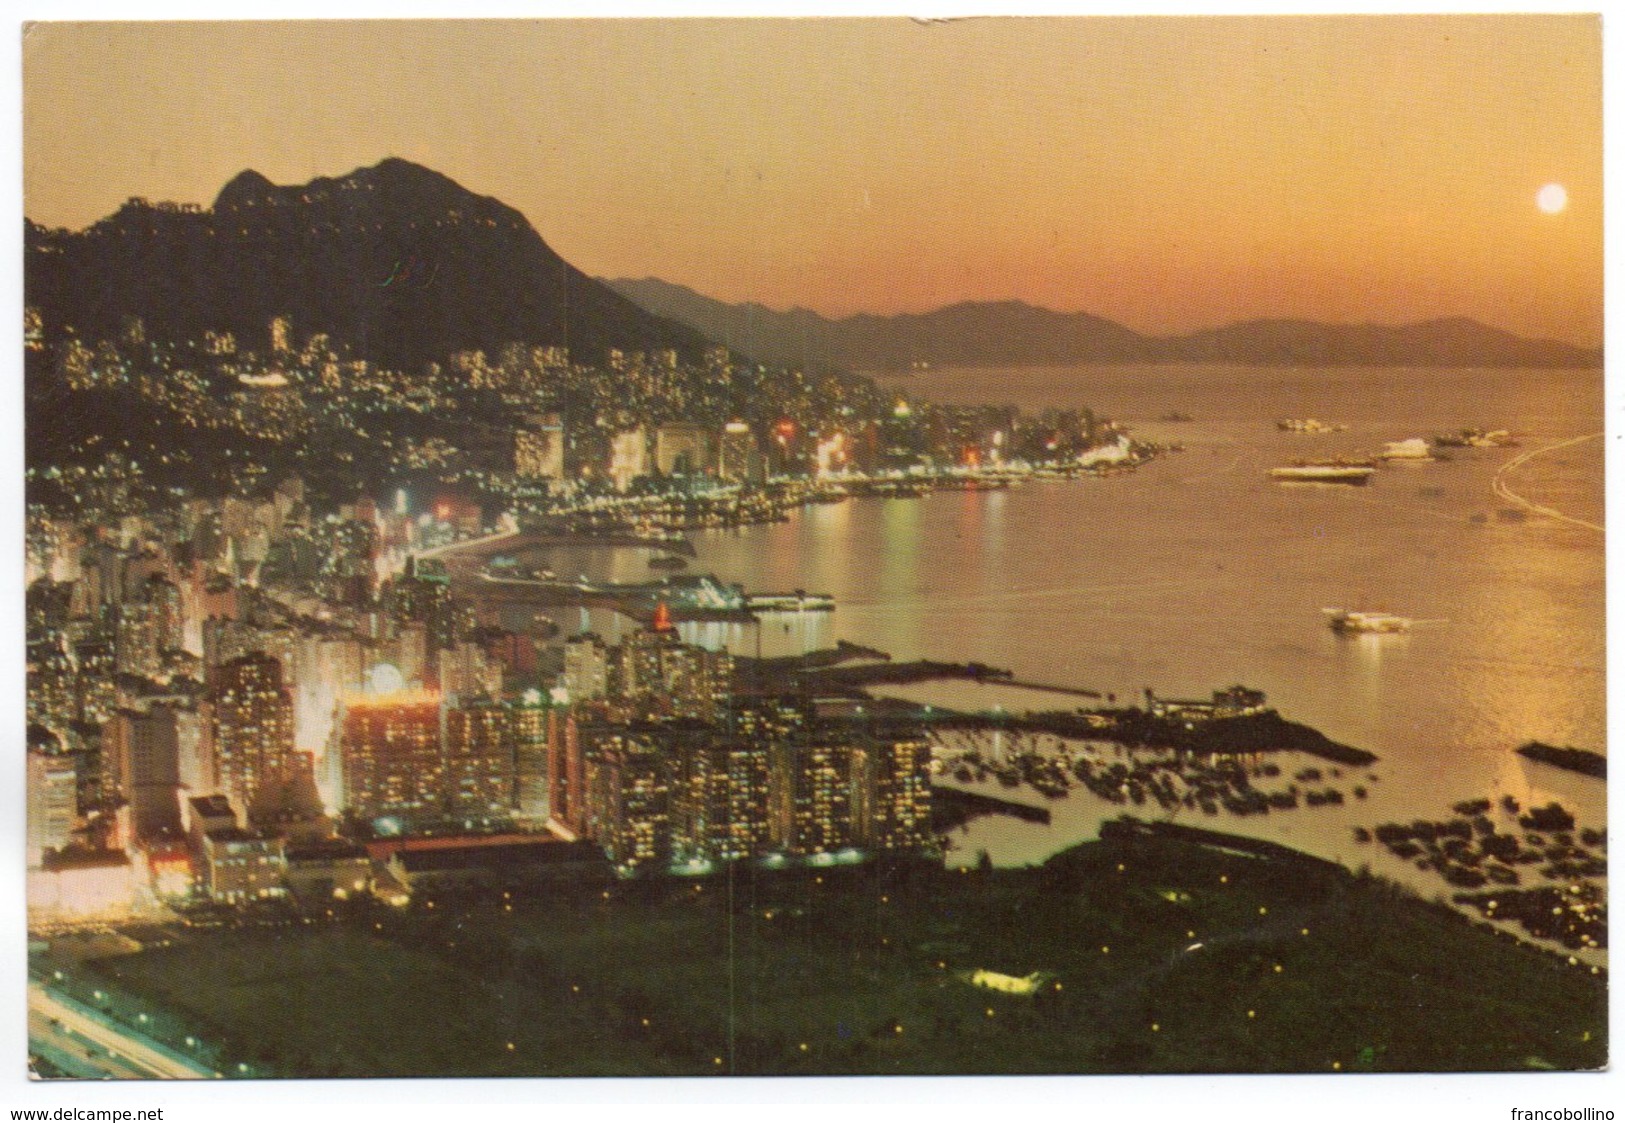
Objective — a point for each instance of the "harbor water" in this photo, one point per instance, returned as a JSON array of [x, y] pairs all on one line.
[[1197, 571]]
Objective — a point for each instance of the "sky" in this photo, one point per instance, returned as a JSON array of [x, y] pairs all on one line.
[[1168, 173]]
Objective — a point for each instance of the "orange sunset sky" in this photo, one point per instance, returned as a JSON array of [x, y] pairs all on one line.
[[1168, 173]]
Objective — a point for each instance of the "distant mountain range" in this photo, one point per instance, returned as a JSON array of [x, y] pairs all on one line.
[[1012, 333], [397, 262], [403, 266]]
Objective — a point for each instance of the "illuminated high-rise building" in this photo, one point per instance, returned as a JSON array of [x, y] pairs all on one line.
[[627, 797], [531, 726], [634, 670], [291, 808], [163, 598], [737, 456], [350, 570], [52, 802], [810, 795], [465, 669], [144, 750], [96, 685], [769, 718], [330, 666], [539, 447], [892, 793], [248, 714], [226, 639], [566, 774], [52, 680], [409, 651], [135, 643], [101, 575], [696, 682], [628, 457], [390, 756], [719, 804], [663, 677], [422, 595], [481, 748], [586, 667]]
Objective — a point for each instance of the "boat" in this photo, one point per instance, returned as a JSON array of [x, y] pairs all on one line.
[[1307, 425], [1350, 622], [1475, 438], [1414, 449], [668, 561], [1355, 472], [798, 601]]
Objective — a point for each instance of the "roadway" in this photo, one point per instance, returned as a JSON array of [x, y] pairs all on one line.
[[112, 1050]]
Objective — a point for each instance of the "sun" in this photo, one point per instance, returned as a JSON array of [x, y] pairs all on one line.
[[1552, 198]]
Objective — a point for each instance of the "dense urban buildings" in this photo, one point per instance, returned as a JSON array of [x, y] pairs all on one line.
[[247, 652], [236, 680]]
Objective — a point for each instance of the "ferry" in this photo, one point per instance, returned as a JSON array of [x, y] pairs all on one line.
[[1350, 622], [1355, 472], [798, 601], [1414, 449]]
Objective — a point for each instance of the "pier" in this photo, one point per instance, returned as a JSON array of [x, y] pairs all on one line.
[[1050, 688]]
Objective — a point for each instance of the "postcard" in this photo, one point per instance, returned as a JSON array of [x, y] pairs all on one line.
[[804, 548]]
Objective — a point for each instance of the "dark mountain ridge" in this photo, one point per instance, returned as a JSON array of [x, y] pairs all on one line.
[[396, 262], [1454, 341], [1013, 333]]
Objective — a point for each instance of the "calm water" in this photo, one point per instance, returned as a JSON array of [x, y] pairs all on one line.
[[1198, 571]]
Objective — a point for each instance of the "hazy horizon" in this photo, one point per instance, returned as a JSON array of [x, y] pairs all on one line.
[[1170, 174]]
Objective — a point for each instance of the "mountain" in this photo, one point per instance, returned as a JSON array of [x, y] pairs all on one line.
[[967, 334], [1012, 333], [1452, 342], [396, 261]]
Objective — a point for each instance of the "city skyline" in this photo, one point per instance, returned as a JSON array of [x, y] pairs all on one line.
[[1170, 174]]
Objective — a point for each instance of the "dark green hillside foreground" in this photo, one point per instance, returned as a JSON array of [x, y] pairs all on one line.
[[1302, 967]]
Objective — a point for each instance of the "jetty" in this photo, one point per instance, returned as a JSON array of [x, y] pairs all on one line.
[[1051, 688], [954, 807], [1583, 761]]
